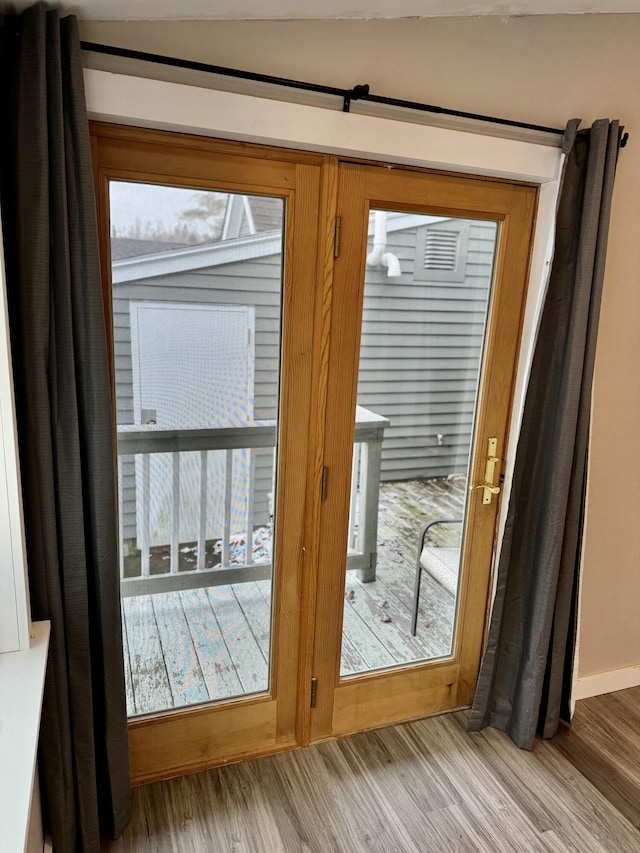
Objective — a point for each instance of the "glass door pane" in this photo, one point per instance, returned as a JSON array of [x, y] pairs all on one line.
[[197, 293], [426, 295]]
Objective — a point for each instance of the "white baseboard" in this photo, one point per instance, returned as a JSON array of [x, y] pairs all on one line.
[[607, 682]]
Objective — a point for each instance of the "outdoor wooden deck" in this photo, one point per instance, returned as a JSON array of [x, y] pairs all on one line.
[[185, 648]]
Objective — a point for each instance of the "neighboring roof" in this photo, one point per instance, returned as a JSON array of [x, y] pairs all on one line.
[[184, 258], [129, 247]]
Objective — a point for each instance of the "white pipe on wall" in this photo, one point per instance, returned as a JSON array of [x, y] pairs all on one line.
[[378, 256]]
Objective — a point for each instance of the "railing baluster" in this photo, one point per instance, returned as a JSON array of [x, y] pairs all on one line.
[[146, 494], [251, 480], [353, 502], [202, 527], [368, 509], [228, 482], [175, 513], [140, 443]]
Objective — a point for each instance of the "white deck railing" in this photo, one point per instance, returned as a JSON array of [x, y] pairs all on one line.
[[144, 441]]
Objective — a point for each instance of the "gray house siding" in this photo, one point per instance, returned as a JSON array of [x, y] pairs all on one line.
[[250, 283], [420, 350]]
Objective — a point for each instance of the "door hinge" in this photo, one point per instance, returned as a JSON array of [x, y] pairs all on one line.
[[323, 484], [336, 237], [314, 692]]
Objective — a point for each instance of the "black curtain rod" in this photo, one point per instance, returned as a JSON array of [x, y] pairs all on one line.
[[357, 93]]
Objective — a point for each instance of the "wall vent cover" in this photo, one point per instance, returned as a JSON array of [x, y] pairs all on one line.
[[441, 250]]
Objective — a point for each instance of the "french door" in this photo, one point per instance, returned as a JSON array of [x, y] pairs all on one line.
[[313, 364], [427, 296]]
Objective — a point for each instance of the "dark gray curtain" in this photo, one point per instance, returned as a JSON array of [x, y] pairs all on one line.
[[63, 400], [525, 675]]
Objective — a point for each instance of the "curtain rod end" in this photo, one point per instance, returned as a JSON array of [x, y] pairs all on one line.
[[624, 140]]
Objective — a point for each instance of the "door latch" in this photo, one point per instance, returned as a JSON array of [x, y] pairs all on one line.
[[489, 484]]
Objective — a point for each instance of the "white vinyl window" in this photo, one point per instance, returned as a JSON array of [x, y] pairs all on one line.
[[15, 617]]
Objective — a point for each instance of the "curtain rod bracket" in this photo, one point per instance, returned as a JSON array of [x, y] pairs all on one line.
[[624, 140], [359, 91]]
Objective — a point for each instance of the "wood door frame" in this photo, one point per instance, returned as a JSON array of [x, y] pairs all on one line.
[[118, 151], [452, 680], [196, 738]]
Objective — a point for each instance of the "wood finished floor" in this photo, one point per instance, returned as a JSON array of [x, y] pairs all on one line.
[[423, 786], [186, 648]]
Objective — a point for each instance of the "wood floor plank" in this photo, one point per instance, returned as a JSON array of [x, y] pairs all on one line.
[[251, 785], [181, 661], [527, 777], [587, 815], [520, 785], [371, 821], [151, 688], [415, 793], [517, 777], [603, 744], [451, 830], [420, 781], [424, 786], [492, 813], [218, 670]]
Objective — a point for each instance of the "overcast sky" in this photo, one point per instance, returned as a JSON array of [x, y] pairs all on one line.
[[150, 204]]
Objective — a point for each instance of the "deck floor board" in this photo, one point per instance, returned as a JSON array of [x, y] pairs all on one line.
[[151, 688], [181, 661], [374, 608], [248, 659], [373, 651], [128, 681], [218, 669], [257, 612], [373, 602], [210, 644]]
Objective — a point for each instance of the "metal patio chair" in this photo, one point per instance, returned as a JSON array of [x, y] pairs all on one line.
[[442, 563]]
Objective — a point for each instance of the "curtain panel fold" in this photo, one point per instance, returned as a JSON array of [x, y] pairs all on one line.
[[63, 401], [525, 678]]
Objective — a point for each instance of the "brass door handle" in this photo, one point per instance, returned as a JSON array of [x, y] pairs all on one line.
[[489, 473], [493, 490]]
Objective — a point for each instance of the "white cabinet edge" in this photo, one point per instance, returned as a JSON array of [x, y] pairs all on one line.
[[21, 686]]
